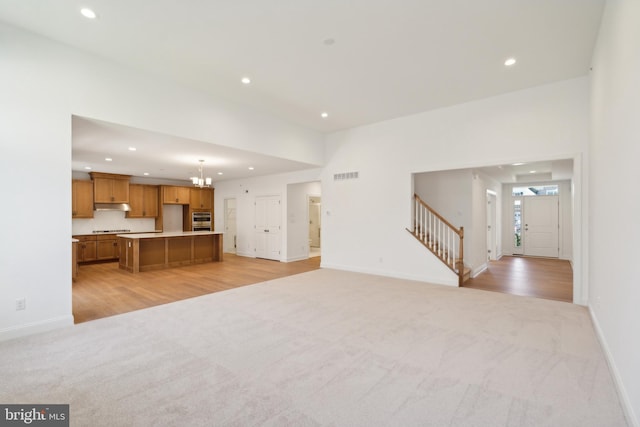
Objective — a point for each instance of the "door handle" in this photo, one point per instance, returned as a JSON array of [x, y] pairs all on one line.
[[266, 231]]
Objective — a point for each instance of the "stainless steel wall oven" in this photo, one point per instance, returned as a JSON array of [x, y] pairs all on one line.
[[201, 221]]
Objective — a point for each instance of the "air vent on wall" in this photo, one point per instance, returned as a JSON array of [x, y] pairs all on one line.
[[345, 175]]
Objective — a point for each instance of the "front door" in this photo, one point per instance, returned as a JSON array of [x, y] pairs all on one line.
[[541, 226]]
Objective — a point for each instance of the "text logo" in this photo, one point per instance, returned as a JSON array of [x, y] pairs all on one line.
[[34, 415]]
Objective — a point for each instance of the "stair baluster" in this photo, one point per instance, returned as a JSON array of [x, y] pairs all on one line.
[[439, 236]]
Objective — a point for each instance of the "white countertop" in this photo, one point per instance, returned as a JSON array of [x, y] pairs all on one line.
[[168, 234], [115, 233]]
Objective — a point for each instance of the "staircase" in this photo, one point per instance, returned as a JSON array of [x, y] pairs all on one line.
[[443, 239]]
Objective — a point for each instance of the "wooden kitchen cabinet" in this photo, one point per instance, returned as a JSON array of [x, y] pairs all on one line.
[[143, 200], [110, 188], [81, 199], [174, 195], [97, 248], [107, 247], [74, 260], [201, 198], [86, 248]]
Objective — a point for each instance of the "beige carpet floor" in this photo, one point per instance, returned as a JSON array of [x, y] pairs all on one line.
[[324, 348]]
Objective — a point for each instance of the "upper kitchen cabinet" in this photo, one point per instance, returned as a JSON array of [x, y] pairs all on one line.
[[110, 188], [143, 200], [172, 195], [81, 199], [201, 198]]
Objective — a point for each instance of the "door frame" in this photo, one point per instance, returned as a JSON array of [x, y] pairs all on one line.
[[309, 197], [492, 219], [226, 224]]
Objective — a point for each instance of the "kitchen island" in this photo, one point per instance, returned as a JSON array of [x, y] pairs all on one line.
[[154, 251]]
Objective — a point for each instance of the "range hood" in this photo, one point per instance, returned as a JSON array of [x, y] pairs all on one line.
[[123, 207]]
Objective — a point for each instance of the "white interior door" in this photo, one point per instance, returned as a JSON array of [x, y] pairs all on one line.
[[267, 229], [541, 226]]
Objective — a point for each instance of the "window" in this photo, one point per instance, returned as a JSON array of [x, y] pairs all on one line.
[[517, 223], [536, 190]]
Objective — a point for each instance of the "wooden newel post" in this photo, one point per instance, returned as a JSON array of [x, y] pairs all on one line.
[[460, 265]]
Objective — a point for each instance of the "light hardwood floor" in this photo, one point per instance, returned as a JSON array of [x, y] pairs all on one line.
[[103, 290], [536, 277]]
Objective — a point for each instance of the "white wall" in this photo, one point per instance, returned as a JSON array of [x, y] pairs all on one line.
[[448, 192], [245, 192], [614, 293], [365, 227], [43, 84], [480, 183]]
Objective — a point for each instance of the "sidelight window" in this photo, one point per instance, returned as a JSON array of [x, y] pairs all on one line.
[[517, 223]]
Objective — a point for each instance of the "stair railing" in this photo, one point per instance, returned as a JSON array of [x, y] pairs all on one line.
[[438, 235]]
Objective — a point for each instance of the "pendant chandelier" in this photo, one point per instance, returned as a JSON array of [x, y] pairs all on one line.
[[201, 181]]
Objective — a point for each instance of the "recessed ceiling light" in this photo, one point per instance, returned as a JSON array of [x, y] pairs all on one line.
[[132, 148], [324, 115], [517, 164], [532, 171], [509, 62], [88, 168], [219, 173], [108, 159], [146, 174], [88, 13], [251, 168], [246, 80]]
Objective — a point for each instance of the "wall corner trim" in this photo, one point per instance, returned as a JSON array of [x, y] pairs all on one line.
[[627, 407]]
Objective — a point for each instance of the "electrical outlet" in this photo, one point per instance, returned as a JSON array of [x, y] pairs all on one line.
[[21, 304]]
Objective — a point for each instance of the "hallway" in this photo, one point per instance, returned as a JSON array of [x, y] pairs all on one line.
[[527, 276]]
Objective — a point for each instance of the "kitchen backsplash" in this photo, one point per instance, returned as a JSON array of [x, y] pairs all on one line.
[[111, 220]]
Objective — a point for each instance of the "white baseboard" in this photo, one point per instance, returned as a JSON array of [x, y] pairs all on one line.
[[478, 270], [627, 407], [35, 327], [246, 254], [297, 258]]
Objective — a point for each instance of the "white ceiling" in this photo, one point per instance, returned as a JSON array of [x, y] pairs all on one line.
[[528, 172], [389, 58], [163, 156]]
